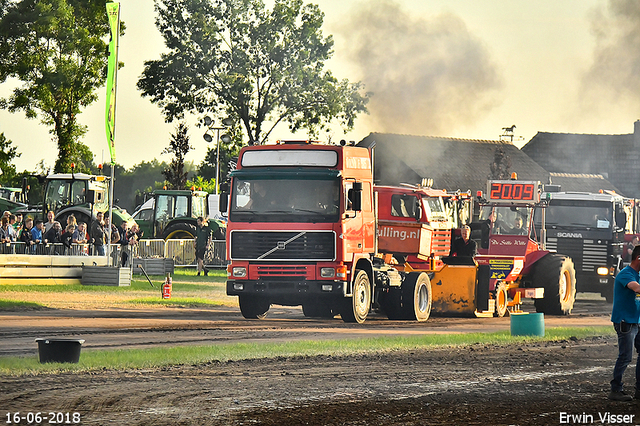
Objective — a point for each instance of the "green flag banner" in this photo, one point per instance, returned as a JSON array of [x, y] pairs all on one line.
[[113, 11]]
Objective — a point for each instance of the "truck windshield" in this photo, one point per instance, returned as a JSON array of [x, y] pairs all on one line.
[[578, 214], [285, 200], [510, 220]]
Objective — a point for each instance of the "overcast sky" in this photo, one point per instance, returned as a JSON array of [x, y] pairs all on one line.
[[450, 68]]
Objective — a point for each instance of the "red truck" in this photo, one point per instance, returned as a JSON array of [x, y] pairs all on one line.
[[306, 226]]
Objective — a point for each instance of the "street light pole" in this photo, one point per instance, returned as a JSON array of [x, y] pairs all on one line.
[[227, 122], [217, 158]]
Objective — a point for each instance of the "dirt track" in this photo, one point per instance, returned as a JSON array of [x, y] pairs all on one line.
[[480, 384]]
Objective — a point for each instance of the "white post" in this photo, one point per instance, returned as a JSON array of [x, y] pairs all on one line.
[[113, 166]]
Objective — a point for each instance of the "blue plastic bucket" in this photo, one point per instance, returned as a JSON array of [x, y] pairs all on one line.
[[527, 324]]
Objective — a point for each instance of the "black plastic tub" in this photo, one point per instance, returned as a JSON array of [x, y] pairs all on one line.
[[59, 349]]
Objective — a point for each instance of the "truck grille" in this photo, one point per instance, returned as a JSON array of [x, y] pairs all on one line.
[[290, 245], [278, 271], [587, 255]]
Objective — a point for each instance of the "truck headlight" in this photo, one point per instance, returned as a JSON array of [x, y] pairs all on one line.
[[327, 272], [239, 271], [602, 271]]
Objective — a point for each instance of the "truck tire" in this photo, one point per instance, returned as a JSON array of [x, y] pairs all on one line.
[[253, 307], [356, 308], [502, 299], [180, 230], [556, 274], [391, 303], [317, 309], [416, 297]]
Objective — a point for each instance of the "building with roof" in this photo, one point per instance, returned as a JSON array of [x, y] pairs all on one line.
[[614, 157], [452, 163]]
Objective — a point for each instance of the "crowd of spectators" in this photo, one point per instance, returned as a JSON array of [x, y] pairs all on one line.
[[91, 238]]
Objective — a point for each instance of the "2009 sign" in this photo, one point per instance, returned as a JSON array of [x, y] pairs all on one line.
[[512, 191]]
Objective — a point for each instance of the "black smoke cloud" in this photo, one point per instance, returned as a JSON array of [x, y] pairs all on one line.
[[427, 75], [612, 83]]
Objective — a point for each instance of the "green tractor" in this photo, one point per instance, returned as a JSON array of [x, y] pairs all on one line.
[[79, 194], [172, 214]]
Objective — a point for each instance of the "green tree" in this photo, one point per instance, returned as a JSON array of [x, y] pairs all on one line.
[[236, 58], [178, 146], [7, 154], [56, 48]]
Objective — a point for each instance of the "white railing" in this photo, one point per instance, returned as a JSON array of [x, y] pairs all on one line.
[[181, 251]]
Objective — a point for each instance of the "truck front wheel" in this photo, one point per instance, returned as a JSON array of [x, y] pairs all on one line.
[[557, 275], [356, 308], [253, 307], [502, 300], [416, 297]]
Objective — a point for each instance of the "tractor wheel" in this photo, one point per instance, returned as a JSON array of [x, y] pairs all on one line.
[[557, 275], [416, 297], [501, 299], [178, 231], [253, 307], [356, 308], [317, 310]]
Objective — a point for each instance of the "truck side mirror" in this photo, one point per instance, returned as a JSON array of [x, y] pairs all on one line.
[[417, 210], [355, 195], [223, 202], [91, 196], [621, 219]]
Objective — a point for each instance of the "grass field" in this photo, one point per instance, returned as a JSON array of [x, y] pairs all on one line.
[[122, 359], [188, 290]]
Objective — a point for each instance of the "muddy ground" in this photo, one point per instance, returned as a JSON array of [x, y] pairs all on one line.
[[533, 384], [476, 385]]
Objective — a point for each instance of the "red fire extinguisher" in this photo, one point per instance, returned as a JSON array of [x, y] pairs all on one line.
[[166, 287]]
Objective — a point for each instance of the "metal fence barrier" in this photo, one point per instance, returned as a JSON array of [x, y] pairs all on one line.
[[182, 252]]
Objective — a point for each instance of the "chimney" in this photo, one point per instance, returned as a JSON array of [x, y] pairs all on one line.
[[636, 131]]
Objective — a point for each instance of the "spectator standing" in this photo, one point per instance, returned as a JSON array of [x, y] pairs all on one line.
[[7, 234], [12, 229], [54, 234], [67, 236], [49, 223], [203, 238], [97, 234], [71, 220], [625, 316], [135, 234], [36, 232], [26, 236], [629, 248], [80, 234], [17, 225], [124, 242]]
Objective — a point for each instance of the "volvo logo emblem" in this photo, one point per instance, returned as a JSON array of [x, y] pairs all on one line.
[[281, 245]]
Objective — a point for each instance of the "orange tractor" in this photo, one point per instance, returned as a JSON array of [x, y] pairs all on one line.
[[520, 265]]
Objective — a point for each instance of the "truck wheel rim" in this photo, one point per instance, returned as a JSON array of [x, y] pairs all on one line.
[[423, 298], [563, 286]]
